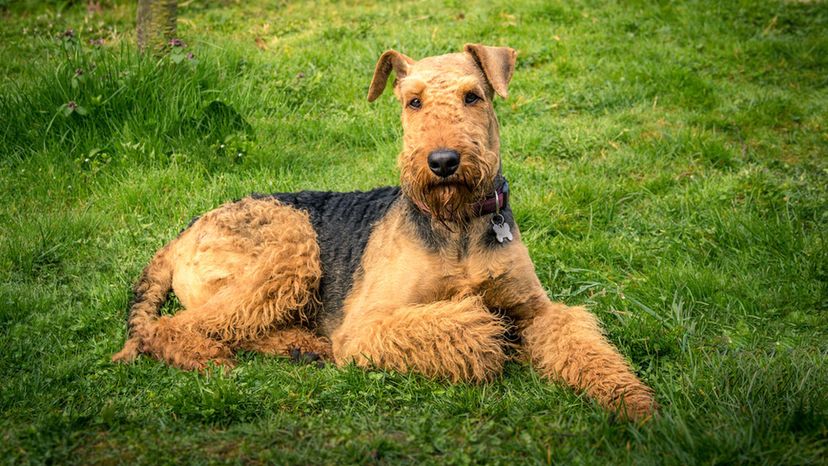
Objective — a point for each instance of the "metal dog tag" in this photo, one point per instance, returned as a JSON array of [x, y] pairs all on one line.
[[501, 229]]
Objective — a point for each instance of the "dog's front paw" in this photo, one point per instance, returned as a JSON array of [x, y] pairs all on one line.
[[638, 406]]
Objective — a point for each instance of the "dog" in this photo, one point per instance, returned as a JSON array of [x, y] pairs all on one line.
[[429, 277]]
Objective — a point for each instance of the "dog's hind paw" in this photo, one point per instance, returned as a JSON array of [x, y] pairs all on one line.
[[309, 357]]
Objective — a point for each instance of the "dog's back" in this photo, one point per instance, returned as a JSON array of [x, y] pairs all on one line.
[[343, 223]]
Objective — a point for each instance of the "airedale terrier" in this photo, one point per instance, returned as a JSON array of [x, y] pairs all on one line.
[[430, 277]]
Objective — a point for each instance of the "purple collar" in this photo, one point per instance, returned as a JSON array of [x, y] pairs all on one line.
[[495, 202]]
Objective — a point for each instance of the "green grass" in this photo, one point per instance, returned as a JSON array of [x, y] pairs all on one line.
[[669, 165]]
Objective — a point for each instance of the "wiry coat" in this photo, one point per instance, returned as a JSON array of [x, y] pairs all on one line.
[[343, 222], [409, 278]]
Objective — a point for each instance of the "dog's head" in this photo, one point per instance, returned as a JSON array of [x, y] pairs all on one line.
[[451, 141]]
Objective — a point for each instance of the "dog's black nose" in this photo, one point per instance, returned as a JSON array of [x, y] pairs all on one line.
[[443, 162]]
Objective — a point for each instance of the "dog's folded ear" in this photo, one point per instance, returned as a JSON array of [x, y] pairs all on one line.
[[390, 60], [497, 64]]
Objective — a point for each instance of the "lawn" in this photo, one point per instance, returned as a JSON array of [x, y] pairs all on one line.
[[669, 169]]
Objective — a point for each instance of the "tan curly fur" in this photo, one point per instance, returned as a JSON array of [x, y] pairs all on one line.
[[566, 343], [456, 340], [239, 273], [281, 341], [248, 273]]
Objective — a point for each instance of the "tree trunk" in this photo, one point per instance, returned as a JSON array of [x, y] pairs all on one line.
[[156, 23]]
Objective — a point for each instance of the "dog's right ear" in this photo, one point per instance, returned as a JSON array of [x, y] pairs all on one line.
[[390, 60]]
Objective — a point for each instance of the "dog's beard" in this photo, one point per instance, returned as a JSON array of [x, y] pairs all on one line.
[[452, 199], [449, 200]]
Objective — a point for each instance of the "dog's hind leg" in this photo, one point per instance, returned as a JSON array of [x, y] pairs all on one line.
[[182, 347], [242, 314], [262, 268], [240, 271], [147, 333], [459, 340], [160, 336], [270, 268], [284, 341]]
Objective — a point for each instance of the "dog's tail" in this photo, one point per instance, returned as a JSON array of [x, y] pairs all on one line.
[[149, 294]]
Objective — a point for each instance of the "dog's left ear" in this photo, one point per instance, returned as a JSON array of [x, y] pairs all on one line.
[[497, 63]]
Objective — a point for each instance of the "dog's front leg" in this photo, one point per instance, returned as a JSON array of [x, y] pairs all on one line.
[[458, 340], [566, 343]]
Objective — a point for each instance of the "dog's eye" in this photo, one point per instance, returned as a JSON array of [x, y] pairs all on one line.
[[471, 98], [415, 103]]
